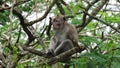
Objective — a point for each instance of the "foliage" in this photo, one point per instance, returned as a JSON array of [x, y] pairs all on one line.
[[101, 40]]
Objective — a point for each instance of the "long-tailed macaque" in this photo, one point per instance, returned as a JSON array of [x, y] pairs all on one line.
[[65, 36]]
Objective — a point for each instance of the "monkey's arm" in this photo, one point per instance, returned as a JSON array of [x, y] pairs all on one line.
[[52, 46], [73, 35]]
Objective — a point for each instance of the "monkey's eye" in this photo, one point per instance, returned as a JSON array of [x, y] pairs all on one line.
[[58, 24], [55, 20]]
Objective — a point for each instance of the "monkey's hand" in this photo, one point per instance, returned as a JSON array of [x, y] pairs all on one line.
[[49, 53]]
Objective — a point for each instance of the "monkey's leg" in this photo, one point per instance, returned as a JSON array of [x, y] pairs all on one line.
[[64, 46]]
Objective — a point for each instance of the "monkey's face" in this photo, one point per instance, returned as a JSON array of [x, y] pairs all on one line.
[[58, 23]]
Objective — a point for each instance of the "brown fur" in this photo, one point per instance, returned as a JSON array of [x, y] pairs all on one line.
[[65, 36]]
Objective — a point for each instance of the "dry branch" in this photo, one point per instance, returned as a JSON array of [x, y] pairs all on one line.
[[93, 13], [5, 7], [33, 51], [42, 17], [108, 24]]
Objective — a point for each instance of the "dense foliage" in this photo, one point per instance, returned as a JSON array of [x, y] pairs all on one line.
[[97, 22]]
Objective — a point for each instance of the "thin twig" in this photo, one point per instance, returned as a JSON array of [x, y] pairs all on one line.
[[16, 4], [45, 14]]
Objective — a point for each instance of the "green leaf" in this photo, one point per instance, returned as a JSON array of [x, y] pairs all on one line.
[[115, 65]]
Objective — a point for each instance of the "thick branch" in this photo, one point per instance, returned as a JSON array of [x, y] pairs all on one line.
[[22, 22], [65, 54]]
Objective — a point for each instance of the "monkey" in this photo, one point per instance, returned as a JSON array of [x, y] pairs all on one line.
[[65, 36]]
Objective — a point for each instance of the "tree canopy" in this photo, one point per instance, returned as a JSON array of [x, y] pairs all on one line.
[[25, 32]]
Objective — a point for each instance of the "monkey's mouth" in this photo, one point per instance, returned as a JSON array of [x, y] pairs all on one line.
[[55, 26]]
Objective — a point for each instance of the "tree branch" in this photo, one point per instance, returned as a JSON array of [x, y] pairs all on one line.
[[45, 14], [18, 3], [33, 51], [65, 54], [22, 23], [102, 22], [68, 7], [60, 7], [93, 13], [86, 9]]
